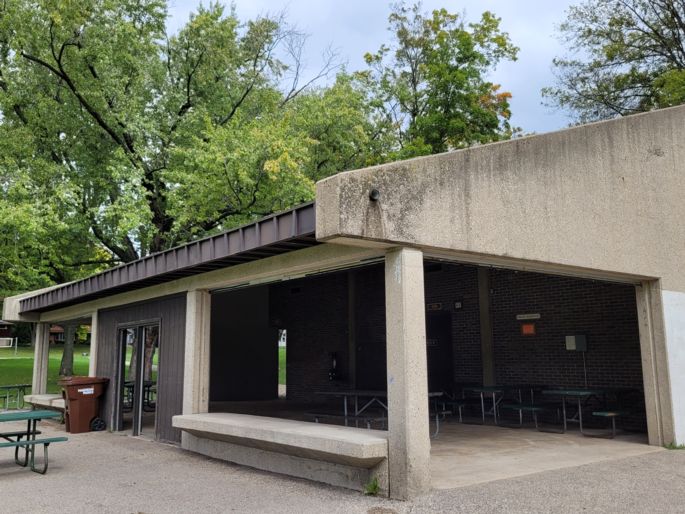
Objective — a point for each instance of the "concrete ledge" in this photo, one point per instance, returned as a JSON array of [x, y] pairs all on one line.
[[341, 456], [47, 401]]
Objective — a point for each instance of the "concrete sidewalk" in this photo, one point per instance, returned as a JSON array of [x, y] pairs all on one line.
[[107, 473]]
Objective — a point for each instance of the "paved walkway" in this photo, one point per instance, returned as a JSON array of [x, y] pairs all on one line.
[[107, 473]]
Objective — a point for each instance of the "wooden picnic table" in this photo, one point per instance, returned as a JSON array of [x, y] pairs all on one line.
[[26, 439]]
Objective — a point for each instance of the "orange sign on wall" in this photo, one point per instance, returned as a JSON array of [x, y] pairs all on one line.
[[527, 329]]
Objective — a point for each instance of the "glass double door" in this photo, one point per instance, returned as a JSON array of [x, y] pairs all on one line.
[[139, 350]]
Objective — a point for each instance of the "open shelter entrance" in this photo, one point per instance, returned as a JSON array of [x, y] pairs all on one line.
[[512, 357]]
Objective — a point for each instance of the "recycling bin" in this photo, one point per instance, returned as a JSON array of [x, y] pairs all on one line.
[[82, 403]]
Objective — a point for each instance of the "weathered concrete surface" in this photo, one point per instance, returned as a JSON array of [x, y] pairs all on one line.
[[600, 201], [341, 456], [45, 401], [471, 454], [107, 473], [196, 361], [408, 432], [606, 196], [41, 344]]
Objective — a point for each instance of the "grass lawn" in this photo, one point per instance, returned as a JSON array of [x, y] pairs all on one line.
[[281, 365], [19, 369]]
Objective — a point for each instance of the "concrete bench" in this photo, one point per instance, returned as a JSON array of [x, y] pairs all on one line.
[[46, 401], [342, 456]]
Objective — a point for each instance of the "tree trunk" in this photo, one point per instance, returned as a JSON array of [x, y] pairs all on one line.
[[66, 368]]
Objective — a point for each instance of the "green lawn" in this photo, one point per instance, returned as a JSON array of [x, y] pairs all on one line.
[[19, 369], [281, 365]]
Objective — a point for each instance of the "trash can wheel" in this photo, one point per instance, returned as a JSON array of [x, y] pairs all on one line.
[[97, 425]]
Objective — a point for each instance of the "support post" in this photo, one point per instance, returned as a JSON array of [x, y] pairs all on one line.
[[486, 340], [41, 349], [655, 363], [196, 366], [408, 431], [93, 353]]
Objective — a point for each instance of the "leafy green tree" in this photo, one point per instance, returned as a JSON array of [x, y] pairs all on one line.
[[627, 56], [429, 85], [153, 140]]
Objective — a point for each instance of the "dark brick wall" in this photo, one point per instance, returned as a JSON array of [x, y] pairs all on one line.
[[370, 328], [447, 284], [606, 313], [314, 313]]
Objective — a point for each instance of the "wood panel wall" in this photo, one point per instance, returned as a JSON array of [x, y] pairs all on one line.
[[171, 313]]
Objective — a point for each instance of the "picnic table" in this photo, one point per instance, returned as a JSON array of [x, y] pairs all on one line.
[[19, 390], [580, 395], [372, 397], [26, 439], [492, 391]]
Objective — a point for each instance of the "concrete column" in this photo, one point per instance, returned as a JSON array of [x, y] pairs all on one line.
[[196, 366], [93, 362], [655, 364], [674, 324], [408, 431], [41, 348], [486, 344]]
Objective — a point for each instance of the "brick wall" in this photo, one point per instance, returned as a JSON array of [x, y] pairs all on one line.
[[314, 313], [370, 328], [606, 313], [447, 284]]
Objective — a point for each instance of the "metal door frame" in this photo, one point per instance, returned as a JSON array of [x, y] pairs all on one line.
[[137, 407]]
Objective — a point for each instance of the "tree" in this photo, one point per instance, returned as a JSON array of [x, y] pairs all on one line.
[[429, 85], [152, 140], [627, 56]]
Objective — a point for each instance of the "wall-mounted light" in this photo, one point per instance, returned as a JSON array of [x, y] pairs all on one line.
[[374, 195]]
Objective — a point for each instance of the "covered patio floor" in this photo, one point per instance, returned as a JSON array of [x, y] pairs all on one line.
[[466, 454]]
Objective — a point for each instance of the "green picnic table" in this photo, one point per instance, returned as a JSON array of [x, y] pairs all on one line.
[[26, 439], [579, 395], [19, 389]]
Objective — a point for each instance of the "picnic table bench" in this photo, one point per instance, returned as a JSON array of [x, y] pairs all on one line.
[[26, 439]]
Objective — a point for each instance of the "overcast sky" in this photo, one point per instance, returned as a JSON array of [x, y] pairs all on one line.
[[354, 27]]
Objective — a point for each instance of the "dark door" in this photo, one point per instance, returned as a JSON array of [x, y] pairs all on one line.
[[439, 351]]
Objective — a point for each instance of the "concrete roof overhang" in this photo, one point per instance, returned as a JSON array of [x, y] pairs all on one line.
[[276, 234]]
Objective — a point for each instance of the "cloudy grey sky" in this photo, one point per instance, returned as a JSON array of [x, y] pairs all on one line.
[[354, 27]]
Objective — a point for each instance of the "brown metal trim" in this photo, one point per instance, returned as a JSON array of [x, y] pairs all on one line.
[[279, 233]]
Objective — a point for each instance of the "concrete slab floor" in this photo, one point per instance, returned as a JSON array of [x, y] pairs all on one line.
[[107, 473], [464, 455]]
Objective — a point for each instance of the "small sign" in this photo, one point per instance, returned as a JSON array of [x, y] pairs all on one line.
[[458, 305], [522, 317], [527, 329], [87, 390], [434, 306]]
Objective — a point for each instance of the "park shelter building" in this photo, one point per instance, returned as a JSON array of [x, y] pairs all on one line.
[[464, 267]]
